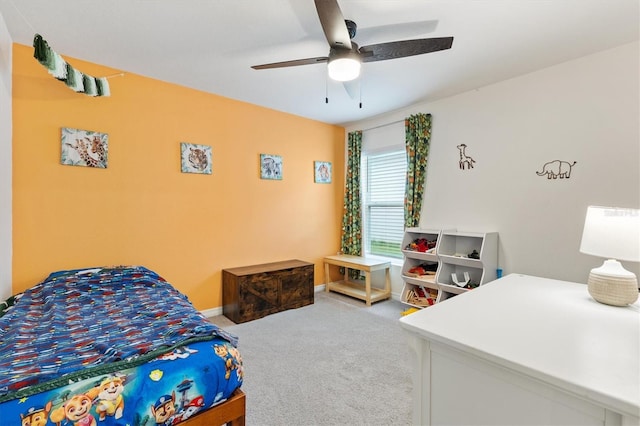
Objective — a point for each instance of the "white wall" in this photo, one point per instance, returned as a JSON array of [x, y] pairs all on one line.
[[586, 110], [5, 160]]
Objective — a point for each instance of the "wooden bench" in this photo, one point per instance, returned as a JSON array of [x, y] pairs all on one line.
[[354, 289]]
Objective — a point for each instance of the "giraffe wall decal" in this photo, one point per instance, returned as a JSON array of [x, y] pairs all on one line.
[[465, 162]]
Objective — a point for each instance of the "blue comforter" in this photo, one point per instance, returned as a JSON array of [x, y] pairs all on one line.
[[83, 323]]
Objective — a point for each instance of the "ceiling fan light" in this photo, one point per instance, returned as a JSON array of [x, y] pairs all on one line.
[[344, 69]]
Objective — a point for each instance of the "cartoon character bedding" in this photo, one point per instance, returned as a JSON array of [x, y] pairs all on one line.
[[110, 346]]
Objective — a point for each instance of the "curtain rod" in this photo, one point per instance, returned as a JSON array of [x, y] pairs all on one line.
[[384, 125]]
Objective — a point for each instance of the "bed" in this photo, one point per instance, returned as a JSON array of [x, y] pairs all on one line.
[[114, 346]]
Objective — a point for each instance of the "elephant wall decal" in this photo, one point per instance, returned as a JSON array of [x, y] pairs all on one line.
[[557, 169]]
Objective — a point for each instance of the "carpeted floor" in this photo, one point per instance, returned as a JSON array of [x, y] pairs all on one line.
[[335, 362]]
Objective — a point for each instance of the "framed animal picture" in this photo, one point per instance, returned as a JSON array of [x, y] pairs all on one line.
[[270, 167], [196, 158], [322, 171], [84, 148]]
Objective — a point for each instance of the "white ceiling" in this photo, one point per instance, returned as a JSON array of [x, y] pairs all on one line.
[[210, 45]]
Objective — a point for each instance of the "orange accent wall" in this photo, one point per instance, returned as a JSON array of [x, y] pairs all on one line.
[[141, 209]]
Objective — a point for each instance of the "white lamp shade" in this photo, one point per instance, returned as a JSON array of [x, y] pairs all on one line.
[[344, 69], [612, 233]]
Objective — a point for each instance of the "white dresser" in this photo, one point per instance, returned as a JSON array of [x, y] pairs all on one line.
[[524, 350]]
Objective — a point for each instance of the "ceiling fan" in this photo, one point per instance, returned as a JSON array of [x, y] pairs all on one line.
[[345, 56]]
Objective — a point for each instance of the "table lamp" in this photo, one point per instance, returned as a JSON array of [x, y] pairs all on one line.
[[612, 233]]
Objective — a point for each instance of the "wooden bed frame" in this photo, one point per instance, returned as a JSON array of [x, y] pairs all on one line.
[[231, 412]]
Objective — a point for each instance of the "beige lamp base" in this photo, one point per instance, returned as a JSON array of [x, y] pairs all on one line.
[[611, 290]]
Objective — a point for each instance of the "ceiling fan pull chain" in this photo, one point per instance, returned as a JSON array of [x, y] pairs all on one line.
[[360, 89], [326, 89]]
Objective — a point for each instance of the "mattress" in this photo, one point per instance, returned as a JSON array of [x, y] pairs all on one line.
[[110, 346]]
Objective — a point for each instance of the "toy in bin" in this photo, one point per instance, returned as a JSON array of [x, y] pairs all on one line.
[[422, 245], [422, 269], [418, 296]]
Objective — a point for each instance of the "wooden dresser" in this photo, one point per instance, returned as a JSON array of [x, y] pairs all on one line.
[[252, 292]]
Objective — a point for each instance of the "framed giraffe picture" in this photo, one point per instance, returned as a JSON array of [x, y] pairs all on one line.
[[84, 148]]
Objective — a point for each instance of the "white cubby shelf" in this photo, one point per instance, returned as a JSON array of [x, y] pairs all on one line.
[[450, 257]]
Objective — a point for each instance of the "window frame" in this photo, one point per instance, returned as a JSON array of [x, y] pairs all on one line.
[[367, 204]]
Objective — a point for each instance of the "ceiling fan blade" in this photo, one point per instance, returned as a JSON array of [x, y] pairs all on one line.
[[333, 25], [399, 31], [401, 49], [293, 63]]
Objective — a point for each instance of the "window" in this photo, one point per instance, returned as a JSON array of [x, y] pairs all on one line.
[[384, 180]]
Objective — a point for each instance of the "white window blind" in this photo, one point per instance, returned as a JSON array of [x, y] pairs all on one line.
[[384, 186]]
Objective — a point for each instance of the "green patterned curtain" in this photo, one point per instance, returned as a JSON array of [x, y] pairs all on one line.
[[351, 240], [418, 136]]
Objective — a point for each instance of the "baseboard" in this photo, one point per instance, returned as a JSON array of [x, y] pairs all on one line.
[[213, 312]]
